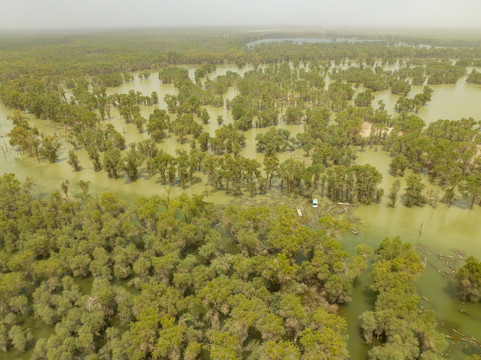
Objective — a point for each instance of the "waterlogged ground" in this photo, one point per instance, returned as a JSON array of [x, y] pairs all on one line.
[[443, 228]]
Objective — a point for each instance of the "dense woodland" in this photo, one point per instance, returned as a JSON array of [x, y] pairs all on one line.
[[181, 279], [169, 278], [397, 328]]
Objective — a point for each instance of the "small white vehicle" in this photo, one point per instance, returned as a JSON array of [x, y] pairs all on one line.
[[314, 203]]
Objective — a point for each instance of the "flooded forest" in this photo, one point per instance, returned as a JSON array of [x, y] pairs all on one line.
[[156, 196]]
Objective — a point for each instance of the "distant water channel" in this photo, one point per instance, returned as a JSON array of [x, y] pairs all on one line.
[[304, 41], [444, 228]]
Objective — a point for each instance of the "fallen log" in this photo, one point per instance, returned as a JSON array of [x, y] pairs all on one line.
[[423, 249]]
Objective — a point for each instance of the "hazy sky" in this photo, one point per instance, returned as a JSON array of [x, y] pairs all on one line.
[[70, 14]]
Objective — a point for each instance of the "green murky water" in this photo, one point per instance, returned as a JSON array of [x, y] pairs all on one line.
[[443, 228], [449, 102]]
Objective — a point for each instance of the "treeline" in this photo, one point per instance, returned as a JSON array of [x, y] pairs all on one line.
[[444, 72], [474, 77], [191, 96], [36, 73], [30, 142], [415, 73], [364, 52], [168, 278], [375, 78], [399, 328], [414, 104], [468, 277], [447, 151], [226, 169]]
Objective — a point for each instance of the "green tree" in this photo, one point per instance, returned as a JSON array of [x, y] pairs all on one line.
[[95, 157], [396, 327], [155, 97], [132, 162], [281, 350], [398, 165], [396, 185], [170, 342], [471, 187], [73, 160], [414, 191], [364, 98], [49, 148], [224, 346], [468, 277], [157, 124], [18, 338], [139, 122], [23, 136], [3, 338], [293, 115], [205, 117], [112, 162], [338, 289]]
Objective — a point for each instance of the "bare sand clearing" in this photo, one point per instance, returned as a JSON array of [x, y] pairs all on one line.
[[367, 127]]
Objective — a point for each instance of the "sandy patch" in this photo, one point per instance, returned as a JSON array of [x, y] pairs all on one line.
[[366, 129]]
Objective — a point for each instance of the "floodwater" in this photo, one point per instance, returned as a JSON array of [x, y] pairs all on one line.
[[443, 228], [305, 41], [448, 102]]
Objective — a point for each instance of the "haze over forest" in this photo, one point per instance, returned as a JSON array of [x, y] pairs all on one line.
[[93, 14]]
